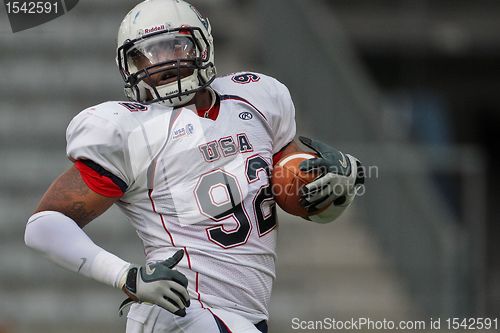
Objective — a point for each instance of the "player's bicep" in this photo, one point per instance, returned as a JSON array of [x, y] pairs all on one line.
[[70, 195]]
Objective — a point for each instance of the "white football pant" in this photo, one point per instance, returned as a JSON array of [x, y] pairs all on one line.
[[145, 318]]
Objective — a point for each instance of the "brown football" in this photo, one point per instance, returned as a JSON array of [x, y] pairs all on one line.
[[287, 180]]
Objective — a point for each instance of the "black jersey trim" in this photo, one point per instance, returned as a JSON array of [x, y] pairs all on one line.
[[241, 99], [103, 172]]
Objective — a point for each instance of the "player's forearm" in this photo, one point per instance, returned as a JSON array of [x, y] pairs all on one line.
[[62, 240]]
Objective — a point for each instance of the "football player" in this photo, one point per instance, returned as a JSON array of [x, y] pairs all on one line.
[[187, 159]]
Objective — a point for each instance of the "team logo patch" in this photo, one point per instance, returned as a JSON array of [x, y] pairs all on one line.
[[245, 115], [183, 131]]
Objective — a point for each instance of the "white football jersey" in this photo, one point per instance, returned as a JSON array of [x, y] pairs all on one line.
[[200, 184]]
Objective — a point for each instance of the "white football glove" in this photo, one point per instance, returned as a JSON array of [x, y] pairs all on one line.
[[158, 283], [340, 176]]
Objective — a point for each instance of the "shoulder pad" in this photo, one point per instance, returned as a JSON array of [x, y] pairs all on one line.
[[123, 137]]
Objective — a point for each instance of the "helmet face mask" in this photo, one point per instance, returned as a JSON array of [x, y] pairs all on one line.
[[167, 66]]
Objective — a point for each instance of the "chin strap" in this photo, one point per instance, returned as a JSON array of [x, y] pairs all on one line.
[[213, 100]]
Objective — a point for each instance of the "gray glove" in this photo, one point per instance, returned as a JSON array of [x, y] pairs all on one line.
[[159, 284], [340, 175]]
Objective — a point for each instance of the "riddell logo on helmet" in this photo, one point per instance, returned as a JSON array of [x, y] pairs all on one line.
[[154, 29]]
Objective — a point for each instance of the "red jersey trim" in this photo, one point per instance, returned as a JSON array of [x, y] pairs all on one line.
[[277, 157], [223, 328], [98, 183], [150, 194]]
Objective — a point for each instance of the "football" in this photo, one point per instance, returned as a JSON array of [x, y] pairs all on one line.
[[287, 180]]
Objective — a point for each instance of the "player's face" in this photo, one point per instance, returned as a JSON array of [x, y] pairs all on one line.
[[164, 50]]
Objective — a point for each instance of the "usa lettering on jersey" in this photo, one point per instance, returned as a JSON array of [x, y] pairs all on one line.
[[226, 146]]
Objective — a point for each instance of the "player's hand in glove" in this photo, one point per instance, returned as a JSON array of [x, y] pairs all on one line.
[[340, 175], [160, 284]]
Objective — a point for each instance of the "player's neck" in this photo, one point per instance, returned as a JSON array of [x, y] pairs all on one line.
[[204, 103], [204, 100]]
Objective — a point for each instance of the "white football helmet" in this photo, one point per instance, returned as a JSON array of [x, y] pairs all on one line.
[[165, 52]]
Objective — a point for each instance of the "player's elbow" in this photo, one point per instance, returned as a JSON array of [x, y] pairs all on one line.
[[37, 232], [27, 238], [31, 234]]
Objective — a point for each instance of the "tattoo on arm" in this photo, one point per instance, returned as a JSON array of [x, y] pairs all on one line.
[[80, 211], [70, 195]]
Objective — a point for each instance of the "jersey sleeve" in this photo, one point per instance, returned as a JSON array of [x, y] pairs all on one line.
[[95, 138], [269, 96], [283, 117]]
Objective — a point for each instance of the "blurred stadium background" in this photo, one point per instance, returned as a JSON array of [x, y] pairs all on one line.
[[411, 87]]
